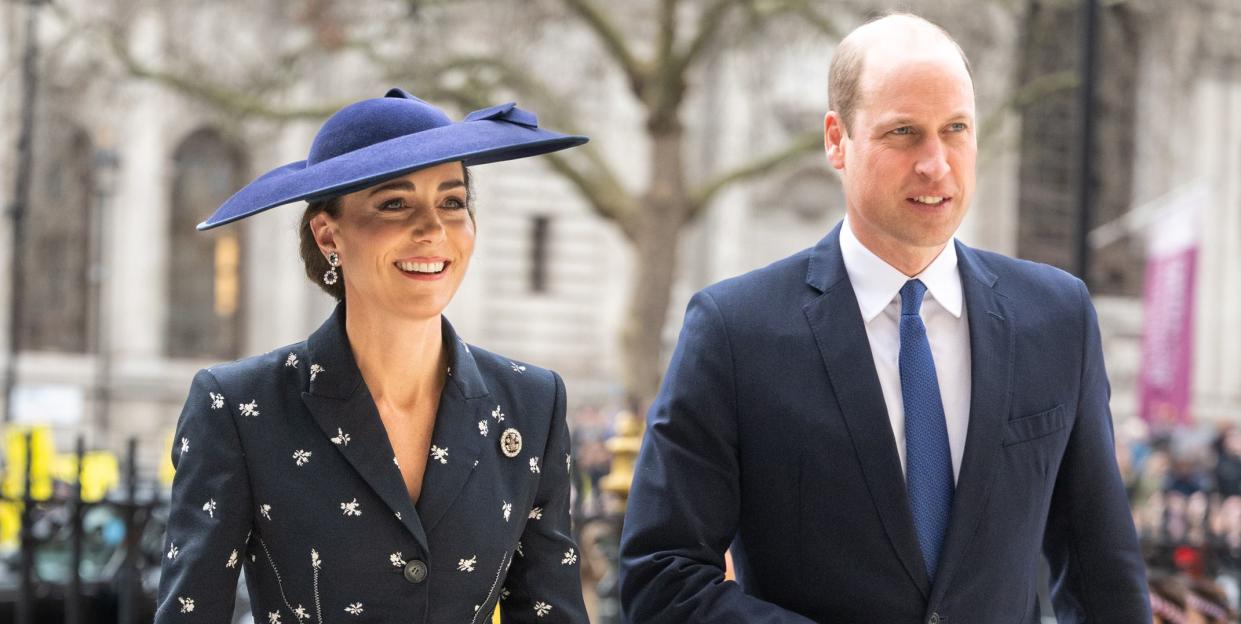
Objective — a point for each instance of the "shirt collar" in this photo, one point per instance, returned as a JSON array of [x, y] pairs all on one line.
[[876, 283]]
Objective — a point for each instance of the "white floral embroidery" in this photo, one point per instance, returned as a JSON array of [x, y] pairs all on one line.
[[252, 559], [541, 608], [517, 368], [534, 465], [482, 427], [173, 551], [301, 614], [185, 445], [316, 563], [397, 560], [265, 511], [398, 515], [273, 617], [209, 507], [504, 593], [187, 604], [291, 361], [351, 508], [232, 559], [301, 457], [315, 369], [440, 454], [217, 400], [341, 438], [506, 509], [249, 409], [497, 414], [448, 370], [569, 558], [568, 463], [354, 608], [536, 513], [467, 565], [395, 462], [519, 552]]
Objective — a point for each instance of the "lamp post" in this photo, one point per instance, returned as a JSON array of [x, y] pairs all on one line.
[[105, 165]]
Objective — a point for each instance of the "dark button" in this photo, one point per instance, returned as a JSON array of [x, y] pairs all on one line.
[[934, 619], [416, 572]]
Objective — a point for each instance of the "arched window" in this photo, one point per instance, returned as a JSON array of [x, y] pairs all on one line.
[[56, 257], [204, 307]]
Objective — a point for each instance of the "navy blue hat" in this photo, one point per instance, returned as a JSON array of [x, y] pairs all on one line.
[[374, 140]]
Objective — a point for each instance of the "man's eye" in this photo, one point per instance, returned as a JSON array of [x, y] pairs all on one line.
[[958, 127]]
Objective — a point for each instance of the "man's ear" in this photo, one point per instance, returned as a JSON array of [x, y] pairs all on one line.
[[323, 227], [834, 137]]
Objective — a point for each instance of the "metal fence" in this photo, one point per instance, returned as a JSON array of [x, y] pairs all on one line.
[[84, 562]]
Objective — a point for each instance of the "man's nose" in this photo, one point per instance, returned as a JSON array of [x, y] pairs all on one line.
[[933, 161]]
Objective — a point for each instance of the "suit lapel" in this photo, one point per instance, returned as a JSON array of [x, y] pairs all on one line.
[[991, 356], [840, 334]]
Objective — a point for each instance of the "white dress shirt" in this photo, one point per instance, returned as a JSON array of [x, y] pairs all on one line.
[[877, 285]]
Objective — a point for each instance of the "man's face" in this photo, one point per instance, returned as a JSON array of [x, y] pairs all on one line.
[[908, 161]]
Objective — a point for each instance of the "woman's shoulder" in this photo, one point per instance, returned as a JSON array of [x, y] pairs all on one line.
[[277, 366], [512, 376]]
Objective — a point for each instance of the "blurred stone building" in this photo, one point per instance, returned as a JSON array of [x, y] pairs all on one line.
[[124, 300]]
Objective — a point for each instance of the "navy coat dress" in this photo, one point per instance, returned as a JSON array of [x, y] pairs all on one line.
[[284, 469]]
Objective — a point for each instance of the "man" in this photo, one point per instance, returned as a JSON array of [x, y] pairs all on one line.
[[888, 427]]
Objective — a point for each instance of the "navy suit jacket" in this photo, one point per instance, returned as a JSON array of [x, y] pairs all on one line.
[[284, 468], [771, 435]]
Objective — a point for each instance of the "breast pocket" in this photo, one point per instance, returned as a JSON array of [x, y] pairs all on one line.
[[1035, 426]]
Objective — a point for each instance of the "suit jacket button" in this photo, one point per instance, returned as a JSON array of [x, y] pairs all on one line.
[[934, 619], [415, 571]]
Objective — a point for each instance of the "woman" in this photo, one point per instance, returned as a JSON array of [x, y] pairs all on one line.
[[382, 470]]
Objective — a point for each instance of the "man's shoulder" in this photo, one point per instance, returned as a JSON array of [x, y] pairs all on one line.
[[765, 286], [1025, 281]]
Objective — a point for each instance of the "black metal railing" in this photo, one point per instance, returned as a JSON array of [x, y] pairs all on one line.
[[84, 562]]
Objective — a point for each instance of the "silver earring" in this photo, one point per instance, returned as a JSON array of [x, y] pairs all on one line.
[[331, 275]]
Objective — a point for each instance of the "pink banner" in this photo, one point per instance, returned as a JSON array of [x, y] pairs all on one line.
[[1165, 381]]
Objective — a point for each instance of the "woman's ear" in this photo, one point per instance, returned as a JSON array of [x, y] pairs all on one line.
[[323, 227]]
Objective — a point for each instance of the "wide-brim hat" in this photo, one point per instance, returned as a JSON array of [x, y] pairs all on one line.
[[370, 141]]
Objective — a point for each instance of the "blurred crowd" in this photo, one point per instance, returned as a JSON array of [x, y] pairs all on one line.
[[1184, 487]]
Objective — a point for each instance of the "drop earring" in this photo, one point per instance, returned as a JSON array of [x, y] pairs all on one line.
[[331, 275]]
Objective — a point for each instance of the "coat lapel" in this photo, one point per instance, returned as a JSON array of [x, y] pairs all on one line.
[[462, 406], [991, 349], [341, 405], [840, 334]]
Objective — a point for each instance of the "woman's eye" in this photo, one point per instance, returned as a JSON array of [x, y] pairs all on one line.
[[454, 203], [392, 204]]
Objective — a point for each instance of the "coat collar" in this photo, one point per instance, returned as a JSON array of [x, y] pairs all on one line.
[[335, 374], [836, 323], [341, 405]]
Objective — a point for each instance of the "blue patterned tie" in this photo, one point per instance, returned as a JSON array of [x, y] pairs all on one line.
[[928, 463]]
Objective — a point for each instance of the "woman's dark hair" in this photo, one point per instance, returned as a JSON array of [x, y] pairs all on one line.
[[314, 260]]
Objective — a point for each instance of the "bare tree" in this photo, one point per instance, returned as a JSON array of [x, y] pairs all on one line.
[[657, 47]]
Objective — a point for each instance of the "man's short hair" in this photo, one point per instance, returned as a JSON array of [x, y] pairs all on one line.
[[846, 68]]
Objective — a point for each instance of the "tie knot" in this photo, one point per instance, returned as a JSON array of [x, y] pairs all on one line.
[[911, 297]]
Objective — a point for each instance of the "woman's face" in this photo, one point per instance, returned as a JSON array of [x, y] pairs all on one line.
[[404, 244]]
